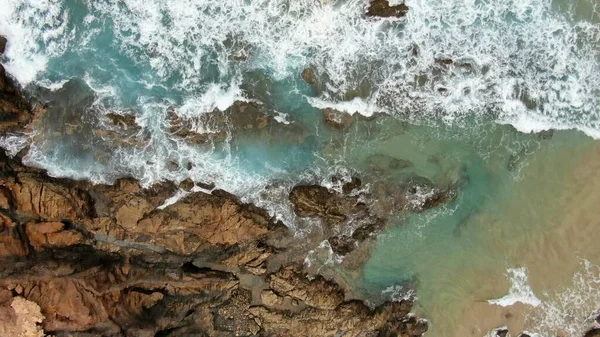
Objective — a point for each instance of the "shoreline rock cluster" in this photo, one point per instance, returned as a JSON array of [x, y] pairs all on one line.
[[85, 260]]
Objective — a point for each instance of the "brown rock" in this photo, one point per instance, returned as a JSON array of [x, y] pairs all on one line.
[[51, 234], [19, 317], [123, 121], [200, 217], [35, 196], [10, 240], [309, 76], [108, 262], [240, 117], [382, 8], [187, 184], [314, 200], [337, 119]]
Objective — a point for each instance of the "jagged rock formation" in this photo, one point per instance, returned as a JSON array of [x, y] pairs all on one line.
[[102, 260], [15, 111]]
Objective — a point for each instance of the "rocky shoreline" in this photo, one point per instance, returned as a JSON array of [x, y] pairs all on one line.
[[96, 260]]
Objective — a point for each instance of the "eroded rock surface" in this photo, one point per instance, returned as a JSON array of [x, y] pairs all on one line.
[[104, 260]]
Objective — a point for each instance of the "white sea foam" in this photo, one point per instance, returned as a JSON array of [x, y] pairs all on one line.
[[503, 51], [572, 310], [356, 105], [13, 143], [217, 96], [282, 118], [36, 31], [520, 290]]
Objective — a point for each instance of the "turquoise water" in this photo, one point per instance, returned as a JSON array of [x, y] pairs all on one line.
[[518, 67]]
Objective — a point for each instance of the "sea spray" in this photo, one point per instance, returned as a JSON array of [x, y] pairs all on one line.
[[520, 290]]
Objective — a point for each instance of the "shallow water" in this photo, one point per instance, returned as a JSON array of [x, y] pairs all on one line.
[[508, 216], [525, 202]]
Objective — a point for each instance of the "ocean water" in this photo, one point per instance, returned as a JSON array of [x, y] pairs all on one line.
[[520, 232]]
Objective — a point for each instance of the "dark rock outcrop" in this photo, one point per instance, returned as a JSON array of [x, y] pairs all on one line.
[[15, 111], [217, 125], [382, 8], [309, 76], [592, 333], [3, 43]]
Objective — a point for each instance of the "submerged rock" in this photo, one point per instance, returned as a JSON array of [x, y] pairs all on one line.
[[382, 8], [309, 76], [217, 125], [382, 163], [337, 119]]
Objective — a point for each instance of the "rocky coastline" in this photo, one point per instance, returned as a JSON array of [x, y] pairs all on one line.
[[107, 260]]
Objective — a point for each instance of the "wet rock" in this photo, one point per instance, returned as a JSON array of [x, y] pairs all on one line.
[[172, 166], [187, 184], [206, 186], [337, 119], [318, 201], [125, 122], [133, 276], [3, 42], [352, 185], [421, 195], [15, 111], [342, 245], [217, 125], [545, 134], [309, 76], [592, 333], [382, 8], [382, 163], [502, 332]]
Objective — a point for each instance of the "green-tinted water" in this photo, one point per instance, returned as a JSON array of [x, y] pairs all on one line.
[[510, 202]]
